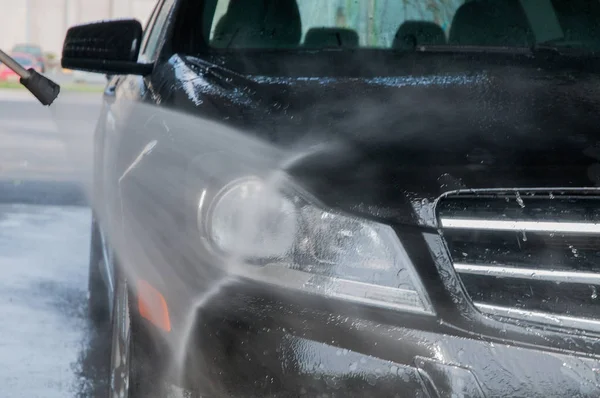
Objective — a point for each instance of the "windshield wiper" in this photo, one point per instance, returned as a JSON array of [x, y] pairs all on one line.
[[455, 48], [546, 48], [561, 47]]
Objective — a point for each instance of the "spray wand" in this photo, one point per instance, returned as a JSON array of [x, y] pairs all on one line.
[[44, 89]]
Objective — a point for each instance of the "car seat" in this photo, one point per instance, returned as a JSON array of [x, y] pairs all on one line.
[[331, 38], [413, 33], [259, 24], [491, 23], [580, 20]]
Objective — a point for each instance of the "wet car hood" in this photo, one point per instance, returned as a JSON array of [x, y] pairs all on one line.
[[390, 140]]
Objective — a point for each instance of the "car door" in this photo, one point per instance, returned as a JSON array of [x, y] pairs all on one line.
[[122, 91], [152, 163]]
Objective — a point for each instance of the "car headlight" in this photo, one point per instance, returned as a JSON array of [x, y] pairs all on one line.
[[243, 224], [285, 240]]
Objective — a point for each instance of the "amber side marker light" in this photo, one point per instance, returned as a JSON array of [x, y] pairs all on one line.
[[153, 306]]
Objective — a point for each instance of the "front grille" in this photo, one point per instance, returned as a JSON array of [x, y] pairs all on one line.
[[533, 255]]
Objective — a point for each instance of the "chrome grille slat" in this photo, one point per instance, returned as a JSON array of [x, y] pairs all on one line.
[[539, 251], [522, 226], [532, 295], [532, 255], [540, 317], [540, 207], [500, 271]]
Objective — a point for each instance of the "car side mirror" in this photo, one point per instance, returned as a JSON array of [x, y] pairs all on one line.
[[109, 47]]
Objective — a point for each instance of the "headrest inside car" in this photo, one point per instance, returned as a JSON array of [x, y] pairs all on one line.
[[331, 38], [413, 33], [259, 24], [491, 23]]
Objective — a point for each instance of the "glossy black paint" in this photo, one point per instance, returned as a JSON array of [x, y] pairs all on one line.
[[401, 129]]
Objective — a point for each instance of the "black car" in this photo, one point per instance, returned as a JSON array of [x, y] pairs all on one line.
[[331, 198]]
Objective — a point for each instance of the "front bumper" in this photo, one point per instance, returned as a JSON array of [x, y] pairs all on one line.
[[246, 346], [252, 340]]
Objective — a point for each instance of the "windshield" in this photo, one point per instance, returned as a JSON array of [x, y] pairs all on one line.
[[387, 24]]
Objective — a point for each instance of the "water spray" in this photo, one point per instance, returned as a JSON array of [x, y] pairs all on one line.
[[44, 89]]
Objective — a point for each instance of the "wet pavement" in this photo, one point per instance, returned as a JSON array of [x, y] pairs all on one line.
[[48, 347]]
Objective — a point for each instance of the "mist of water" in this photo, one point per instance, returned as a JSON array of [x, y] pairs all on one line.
[[158, 232], [146, 185]]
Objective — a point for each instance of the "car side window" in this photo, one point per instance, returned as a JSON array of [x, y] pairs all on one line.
[[150, 49], [220, 11], [148, 28]]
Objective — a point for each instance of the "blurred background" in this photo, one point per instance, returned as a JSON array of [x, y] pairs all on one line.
[[41, 25]]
